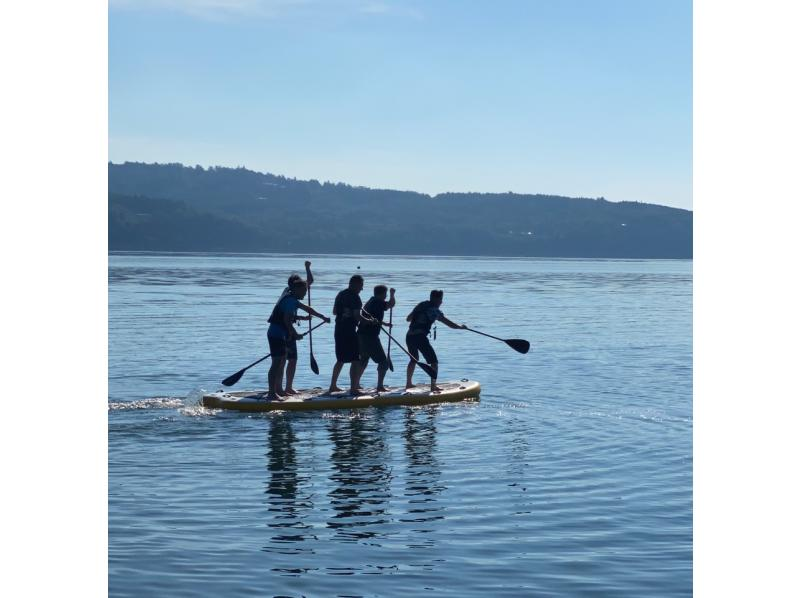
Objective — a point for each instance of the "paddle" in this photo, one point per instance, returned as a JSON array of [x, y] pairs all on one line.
[[309, 280], [518, 344], [425, 367], [234, 378], [389, 344]]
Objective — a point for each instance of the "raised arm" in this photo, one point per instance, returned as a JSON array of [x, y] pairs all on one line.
[[309, 276]]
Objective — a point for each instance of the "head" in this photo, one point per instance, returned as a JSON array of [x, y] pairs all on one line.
[[380, 291], [299, 288], [356, 283], [292, 279], [437, 297]]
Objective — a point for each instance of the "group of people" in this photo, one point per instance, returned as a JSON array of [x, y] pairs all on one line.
[[356, 333]]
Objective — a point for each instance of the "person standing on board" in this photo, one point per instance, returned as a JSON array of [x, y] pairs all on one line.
[[347, 309], [369, 342], [421, 319], [291, 341], [281, 328]]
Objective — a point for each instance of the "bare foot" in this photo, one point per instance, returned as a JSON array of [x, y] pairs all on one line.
[[334, 389], [410, 386], [291, 391], [273, 396], [381, 389], [436, 389], [354, 392]]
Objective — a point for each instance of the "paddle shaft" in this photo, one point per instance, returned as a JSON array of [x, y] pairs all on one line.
[[389, 344], [497, 338], [309, 280]]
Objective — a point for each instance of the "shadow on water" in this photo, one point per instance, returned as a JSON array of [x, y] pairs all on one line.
[[360, 476]]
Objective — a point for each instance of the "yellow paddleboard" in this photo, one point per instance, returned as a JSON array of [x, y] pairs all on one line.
[[316, 398]]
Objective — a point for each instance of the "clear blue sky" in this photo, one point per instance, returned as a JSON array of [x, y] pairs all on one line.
[[569, 97]]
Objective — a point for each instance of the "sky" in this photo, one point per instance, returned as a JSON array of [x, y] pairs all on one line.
[[584, 98]]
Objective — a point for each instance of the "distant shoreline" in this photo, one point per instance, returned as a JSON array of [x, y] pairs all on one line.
[[174, 208]]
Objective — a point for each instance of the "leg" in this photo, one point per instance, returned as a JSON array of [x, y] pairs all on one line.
[[355, 376], [434, 388], [279, 380], [336, 369], [383, 367], [376, 353], [430, 356], [410, 374], [273, 376], [291, 367], [411, 343]]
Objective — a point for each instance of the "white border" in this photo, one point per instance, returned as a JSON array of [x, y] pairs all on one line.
[[54, 114], [746, 303]]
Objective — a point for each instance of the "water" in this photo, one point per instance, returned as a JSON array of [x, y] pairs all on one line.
[[571, 476]]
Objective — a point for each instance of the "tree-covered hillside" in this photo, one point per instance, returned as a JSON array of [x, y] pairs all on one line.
[[170, 207]]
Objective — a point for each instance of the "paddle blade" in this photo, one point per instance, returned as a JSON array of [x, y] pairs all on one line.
[[234, 378], [519, 344], [427, 369], [314, 366], [391, 365]]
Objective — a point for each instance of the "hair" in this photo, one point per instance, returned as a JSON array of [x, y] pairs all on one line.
[[437, 294], [292, 279], [299, 284], [356, 278], [380, 289]]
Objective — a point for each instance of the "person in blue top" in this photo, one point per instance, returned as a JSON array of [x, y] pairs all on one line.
[[281, 328], [421, 319], [291, 342]]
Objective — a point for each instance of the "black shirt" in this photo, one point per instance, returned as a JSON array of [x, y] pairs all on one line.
[[346, 308], [376, 308]]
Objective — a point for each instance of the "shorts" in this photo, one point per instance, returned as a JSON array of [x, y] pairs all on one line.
[[419, 343], [291, 349], [370, 347], [277, 347], [346, 345]]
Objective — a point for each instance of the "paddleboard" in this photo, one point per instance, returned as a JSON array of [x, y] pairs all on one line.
[[316, 398]]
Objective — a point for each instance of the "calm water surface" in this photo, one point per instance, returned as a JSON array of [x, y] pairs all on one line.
[[571, 476]]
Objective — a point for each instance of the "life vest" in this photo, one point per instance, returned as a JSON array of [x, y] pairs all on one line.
[[275, 317]]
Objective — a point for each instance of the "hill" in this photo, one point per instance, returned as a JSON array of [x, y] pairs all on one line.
[[171, 207]]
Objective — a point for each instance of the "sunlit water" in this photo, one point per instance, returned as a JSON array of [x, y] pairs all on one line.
[[571, 476]]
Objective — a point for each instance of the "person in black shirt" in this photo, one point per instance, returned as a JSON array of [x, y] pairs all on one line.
[[369, 342], [421, 319], [347, 309]]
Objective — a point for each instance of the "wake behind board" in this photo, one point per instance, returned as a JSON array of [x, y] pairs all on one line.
[[306, 400]]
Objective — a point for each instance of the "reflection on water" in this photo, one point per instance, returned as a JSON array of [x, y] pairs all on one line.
[[286, 510], [360, 476], [423, 476]]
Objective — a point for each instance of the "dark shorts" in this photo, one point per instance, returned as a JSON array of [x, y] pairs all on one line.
[[370, 347], [346, 345], [291, 349], [277, 347], [419, 343]]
